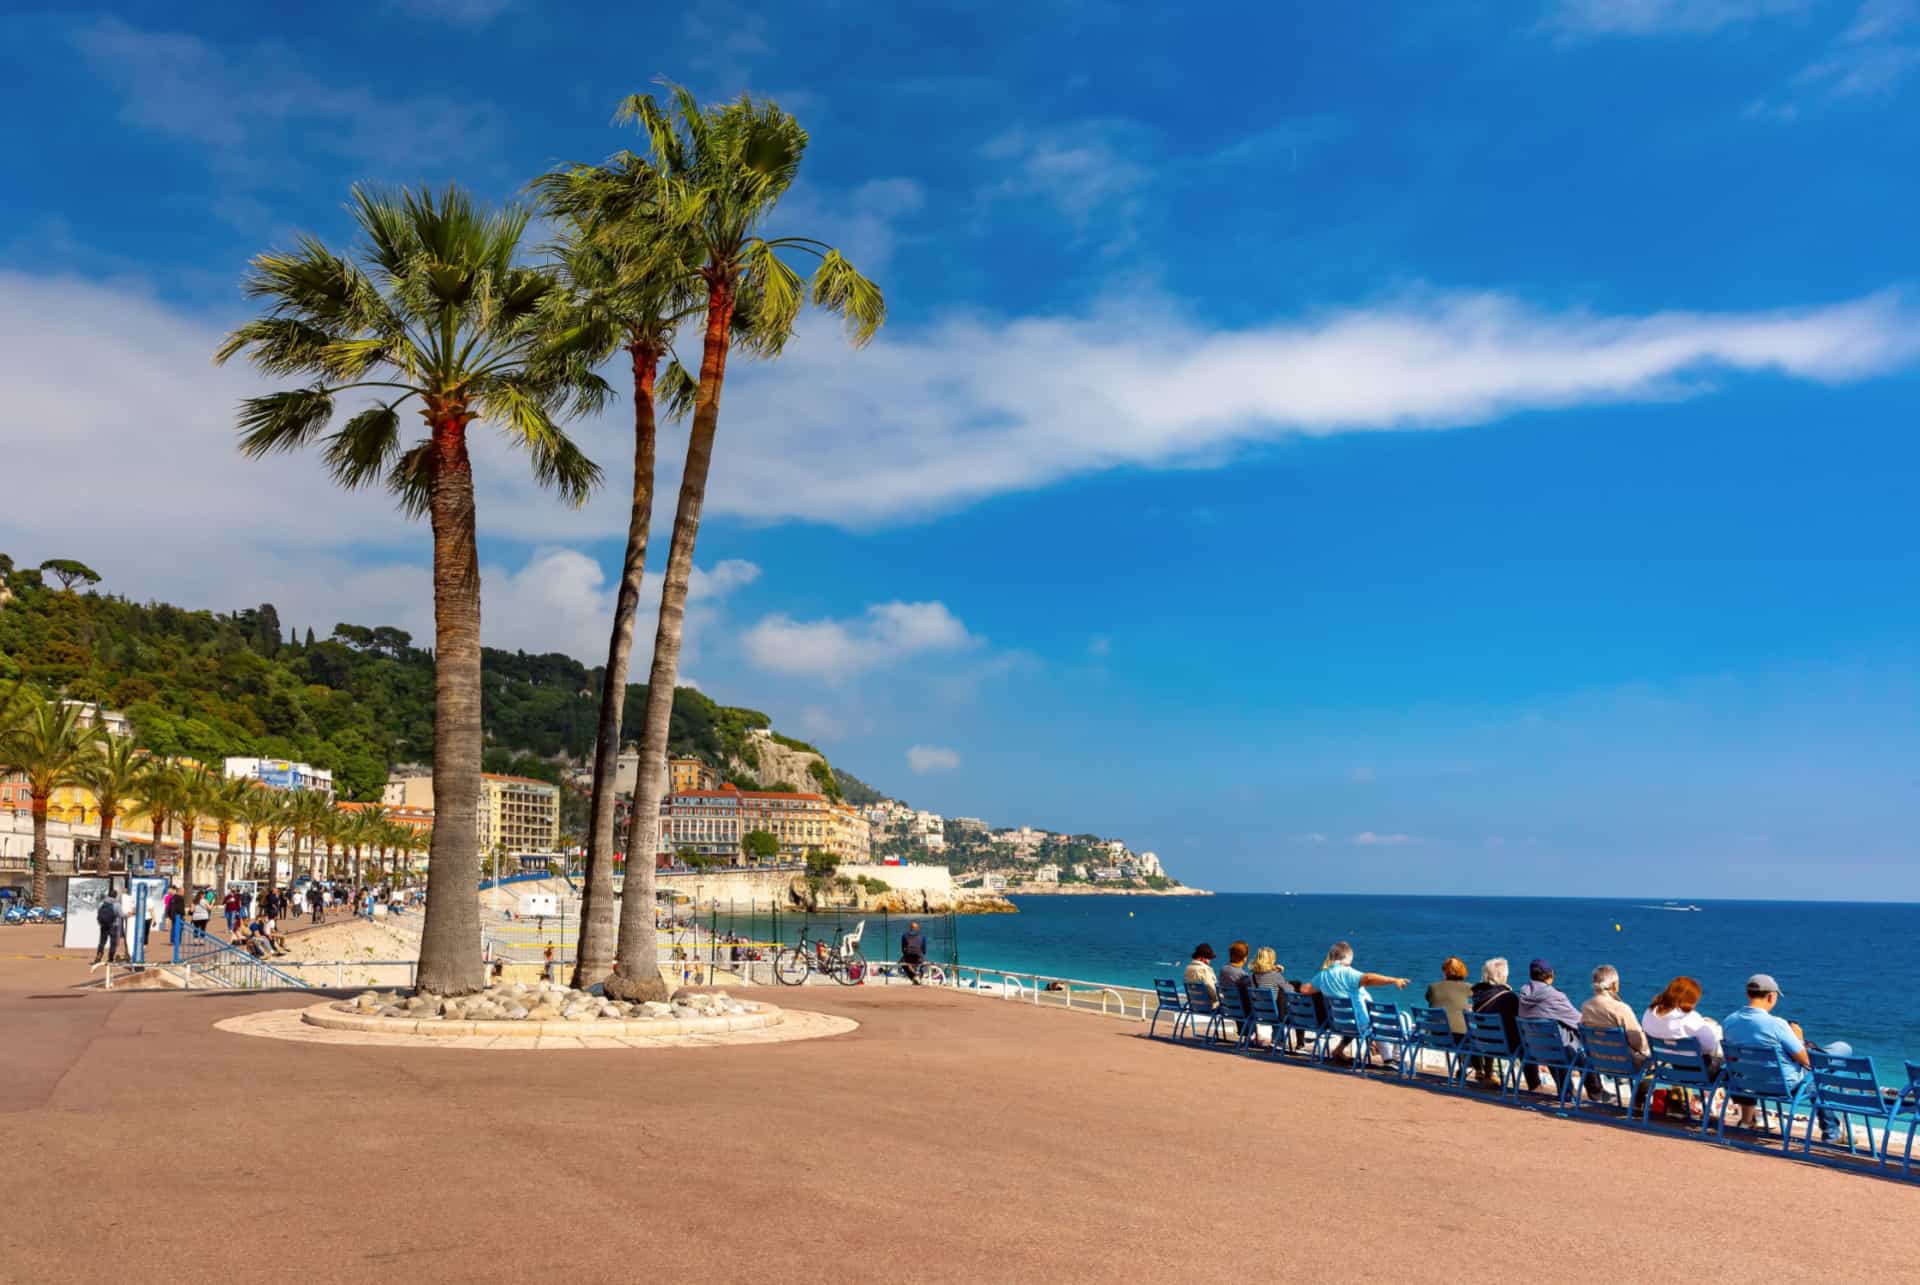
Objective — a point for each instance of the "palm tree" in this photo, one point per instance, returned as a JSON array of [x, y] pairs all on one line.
[[161, 788], [226, 809], [49, 746], [280, 820], [113, 775], [713, 177], [627, 290], [199, 790], [257, 809], [435, 308]]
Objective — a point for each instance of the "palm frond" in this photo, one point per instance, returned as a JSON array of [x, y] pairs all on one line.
[[841, 289], [283, 421], [776, 286], [675, 391], [364, 447]]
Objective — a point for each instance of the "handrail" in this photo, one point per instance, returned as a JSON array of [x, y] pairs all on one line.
[[230, 966]]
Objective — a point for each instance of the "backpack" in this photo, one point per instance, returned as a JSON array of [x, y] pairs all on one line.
[[107, 913]]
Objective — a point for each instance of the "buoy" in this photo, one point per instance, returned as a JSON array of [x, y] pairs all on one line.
[[1129, 914], [1616, 927]]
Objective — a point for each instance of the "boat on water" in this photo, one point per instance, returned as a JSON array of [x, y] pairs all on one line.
[[1671, 905]]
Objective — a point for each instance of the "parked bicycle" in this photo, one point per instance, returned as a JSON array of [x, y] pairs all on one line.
[[842, 961]]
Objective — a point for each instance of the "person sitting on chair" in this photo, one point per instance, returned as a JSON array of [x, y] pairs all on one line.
[[1200, 969], [1339, 979], [913, 951]]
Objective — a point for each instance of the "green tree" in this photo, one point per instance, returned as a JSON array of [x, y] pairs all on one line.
[[70, 573], [161, 790], [713, 177], [626, 293], [760, 845], [197, 800], [257, 809], [46, 743], [113, 775], [439, 311]]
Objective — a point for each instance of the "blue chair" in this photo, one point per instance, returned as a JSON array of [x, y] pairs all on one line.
[[1433, 1030], [1680, 1065], [1171, 999], [1612, 1058], [1849, 1088], [1754, 1071], [1911, 1101], [1390, 1033], [1544, 1042], [1304, 1019], [1345, 1023], [1268, 1012], [1233, 1008], [1487, 1038], [1201, 1002]]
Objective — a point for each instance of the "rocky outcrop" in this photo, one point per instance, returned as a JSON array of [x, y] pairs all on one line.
[[773, 764], [845, 894]]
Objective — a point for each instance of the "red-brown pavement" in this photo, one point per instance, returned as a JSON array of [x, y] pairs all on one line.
[[950, 1138]]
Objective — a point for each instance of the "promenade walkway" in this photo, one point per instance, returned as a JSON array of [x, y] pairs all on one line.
[[949, 1138]]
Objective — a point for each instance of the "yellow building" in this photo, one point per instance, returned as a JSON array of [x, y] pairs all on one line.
[[685, 775], [516, 812], [850, 837]]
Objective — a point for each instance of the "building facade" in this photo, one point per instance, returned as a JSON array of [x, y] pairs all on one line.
[[686, 775], [516, 813], [281, 774], [849, 835], [705, 821]]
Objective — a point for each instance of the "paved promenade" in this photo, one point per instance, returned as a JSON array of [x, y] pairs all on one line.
[[949, 1138]]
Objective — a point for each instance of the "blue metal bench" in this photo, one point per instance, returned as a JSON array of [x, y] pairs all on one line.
[[1612, 1058], [1344, 1023], [1171, 999], [1390, 1033], [1487, 1038], [1304, 1020], [1433, 1030], [1233, 1008], [1544, 1042], [1202, 1003], [1681, 1065], [1849, 1087], [1754, 1071], [1269, 1011]]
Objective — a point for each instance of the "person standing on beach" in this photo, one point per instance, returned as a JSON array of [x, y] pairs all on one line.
[[913, 951]]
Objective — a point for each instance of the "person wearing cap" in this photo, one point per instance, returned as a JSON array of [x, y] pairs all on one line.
[[1756, 1027], [1200, 969], [1540, 998]]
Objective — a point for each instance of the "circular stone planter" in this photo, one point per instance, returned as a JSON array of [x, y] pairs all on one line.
[[331, 1018]]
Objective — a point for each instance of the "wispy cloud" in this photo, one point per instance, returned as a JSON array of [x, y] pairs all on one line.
[[466, 13], [834, 650], [923, 759], [1368, 839], [1660, 17], [1086, 171], [1871, 58]]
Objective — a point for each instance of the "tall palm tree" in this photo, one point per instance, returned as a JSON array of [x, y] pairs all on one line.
[[226, 809], [113, 775], [626, 291], [435, 308], [199, 790], [280, 820], [48, 745], [161, 788], [713, 177], [256, 809]]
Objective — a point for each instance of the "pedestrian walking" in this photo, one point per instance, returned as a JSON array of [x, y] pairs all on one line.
[[111, 932]]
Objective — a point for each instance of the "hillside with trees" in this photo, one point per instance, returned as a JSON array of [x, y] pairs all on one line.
[[357, 701]]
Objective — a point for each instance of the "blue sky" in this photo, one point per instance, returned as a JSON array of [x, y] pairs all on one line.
[[1462, 448]]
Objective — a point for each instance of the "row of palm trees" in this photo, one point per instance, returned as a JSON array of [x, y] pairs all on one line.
[[439, 312], [54, 745]]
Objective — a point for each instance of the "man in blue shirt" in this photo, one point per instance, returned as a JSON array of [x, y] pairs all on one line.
[[1755, 1026]]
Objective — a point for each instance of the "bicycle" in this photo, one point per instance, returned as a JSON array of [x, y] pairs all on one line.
[[844, 962]]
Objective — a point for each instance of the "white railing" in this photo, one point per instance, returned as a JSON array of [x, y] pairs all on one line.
[[1043, 989]]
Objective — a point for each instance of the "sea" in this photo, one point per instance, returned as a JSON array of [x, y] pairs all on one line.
[[1847, 971]]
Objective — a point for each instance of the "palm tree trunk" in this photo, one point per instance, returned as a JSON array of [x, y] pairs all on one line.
[[221, 861], [104, 855], [159, 828], [593, 958], [186, 857], [450, 961], [39, 810], [273, 860], [636, 974]]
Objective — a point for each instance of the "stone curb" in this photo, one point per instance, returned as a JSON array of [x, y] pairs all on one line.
[[325, 1015]]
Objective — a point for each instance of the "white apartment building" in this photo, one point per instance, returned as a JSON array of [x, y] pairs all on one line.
[[281, 774]]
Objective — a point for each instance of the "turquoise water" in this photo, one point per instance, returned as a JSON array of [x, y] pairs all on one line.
[[1847, 971]]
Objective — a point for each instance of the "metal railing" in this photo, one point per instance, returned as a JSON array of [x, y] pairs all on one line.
[[229, 967], [1045, 990]]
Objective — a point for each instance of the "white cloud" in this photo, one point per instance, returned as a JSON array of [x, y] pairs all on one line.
[[1311, 838], [932, 758], [863, 223], [260, 109], [1084, 170], [1362, 776], [975, 406], [838, 649], [1100, 645], [1368, 839], [469, 13], [1871, 57], [1661, 17]]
